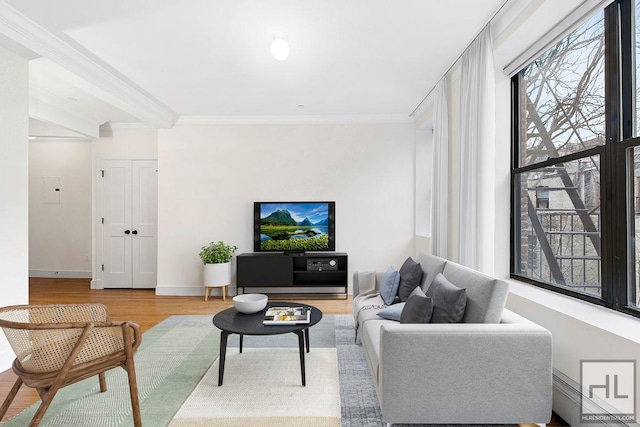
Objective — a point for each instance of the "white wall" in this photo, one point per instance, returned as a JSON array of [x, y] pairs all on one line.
[[60, 233], [209, 178], [62, 236], [14, 207]]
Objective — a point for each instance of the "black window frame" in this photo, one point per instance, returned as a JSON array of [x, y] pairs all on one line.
[[616, 209]]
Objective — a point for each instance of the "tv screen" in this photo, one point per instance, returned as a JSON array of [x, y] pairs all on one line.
[[294, 226]]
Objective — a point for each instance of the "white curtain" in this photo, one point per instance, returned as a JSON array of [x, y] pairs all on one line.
[[477, 162], [440, 171]]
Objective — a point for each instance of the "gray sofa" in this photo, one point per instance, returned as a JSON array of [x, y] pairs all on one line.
[[493, 368]]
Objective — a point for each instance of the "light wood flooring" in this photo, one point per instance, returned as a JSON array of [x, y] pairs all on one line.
[[141, 306], [144, 308]]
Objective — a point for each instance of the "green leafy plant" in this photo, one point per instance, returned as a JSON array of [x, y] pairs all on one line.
[[217, 253]]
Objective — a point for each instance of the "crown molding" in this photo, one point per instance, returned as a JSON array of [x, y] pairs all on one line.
[[133, 99], [291, 120], [45, 112], [132, 126]]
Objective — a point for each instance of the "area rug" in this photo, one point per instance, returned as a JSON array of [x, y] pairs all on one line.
[[263, 386], [173, 357], [177, 380]]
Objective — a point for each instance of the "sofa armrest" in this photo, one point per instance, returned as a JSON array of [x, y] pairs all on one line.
[[465, 373], [366, 283]]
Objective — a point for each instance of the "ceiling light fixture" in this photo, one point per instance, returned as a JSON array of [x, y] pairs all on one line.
[[280, 47]]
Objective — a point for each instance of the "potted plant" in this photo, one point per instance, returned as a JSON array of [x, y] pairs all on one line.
[[216, 258]]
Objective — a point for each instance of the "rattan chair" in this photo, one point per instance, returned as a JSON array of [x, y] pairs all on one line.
[[58, 345]]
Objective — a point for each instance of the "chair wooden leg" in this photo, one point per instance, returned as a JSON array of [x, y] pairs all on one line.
[[133, 390], [10, 397], [103, 382], [47, 397]]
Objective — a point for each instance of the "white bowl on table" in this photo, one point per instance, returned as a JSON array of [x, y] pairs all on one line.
[[250, 303]]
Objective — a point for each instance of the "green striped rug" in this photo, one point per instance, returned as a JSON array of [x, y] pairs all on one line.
[[173, 357]]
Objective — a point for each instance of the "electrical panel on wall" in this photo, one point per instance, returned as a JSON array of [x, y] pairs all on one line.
[[51, 189]]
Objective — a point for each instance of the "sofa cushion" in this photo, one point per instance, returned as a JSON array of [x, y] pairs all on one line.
[[389, 285], [371, 344], [393, 312], [449, 301], [418, 308], [431, 266], [486, 296], [410, 278]]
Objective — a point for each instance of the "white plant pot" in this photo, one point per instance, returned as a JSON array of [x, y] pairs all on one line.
[[217, 274]]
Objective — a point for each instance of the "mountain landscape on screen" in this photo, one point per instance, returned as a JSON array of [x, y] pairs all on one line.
[[294, 227]]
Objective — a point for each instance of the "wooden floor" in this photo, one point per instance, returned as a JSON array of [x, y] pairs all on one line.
[[141, 306], [144, 308]]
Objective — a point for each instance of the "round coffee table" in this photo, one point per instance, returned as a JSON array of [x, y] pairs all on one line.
[[231, 321]]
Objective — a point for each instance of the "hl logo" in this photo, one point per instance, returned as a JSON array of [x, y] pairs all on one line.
[[605, 386], [608, 390]]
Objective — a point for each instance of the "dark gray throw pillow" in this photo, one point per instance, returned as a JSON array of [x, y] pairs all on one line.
[[449, 301], [418, 308], [410, 278]]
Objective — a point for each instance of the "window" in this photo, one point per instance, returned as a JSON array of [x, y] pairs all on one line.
[[576, 163]]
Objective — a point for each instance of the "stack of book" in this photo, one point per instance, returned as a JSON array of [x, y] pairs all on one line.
[[287, 316]]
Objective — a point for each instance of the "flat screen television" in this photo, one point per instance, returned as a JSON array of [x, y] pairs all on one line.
[[294, 226]]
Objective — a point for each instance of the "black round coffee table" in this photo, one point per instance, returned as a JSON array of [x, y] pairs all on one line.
[[231, 321]]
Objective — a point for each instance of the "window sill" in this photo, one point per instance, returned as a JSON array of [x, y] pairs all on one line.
[[614, 322]]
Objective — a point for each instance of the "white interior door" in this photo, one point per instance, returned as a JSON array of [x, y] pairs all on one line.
[[144, 223], [116, 261], [130, 209]]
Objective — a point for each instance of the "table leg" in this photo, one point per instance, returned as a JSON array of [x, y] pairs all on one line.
[[241, 339], [306, 338], [300, 335], [223, 352]]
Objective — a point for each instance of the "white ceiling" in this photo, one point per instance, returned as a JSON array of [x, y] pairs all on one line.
[[152, 61]]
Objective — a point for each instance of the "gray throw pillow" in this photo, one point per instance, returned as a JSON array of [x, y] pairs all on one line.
[[392, 312], [389, 285], [410, 278], [449, 301], [418, 308]]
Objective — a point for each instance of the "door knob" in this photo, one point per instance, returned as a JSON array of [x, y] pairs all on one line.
[[127, 231], [134, 232]]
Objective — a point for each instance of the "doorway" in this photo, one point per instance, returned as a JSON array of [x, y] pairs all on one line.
[[127, 217]]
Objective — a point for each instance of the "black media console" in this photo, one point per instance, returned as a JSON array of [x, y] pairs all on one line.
[[295, 270]]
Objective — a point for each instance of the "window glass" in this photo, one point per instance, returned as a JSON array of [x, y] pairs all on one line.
[[562, 96], [559, 225], [637, 45], [634, 288]]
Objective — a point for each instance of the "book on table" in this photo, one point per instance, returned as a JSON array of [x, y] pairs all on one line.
[[287, 316]]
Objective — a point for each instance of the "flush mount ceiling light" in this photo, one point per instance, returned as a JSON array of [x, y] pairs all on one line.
[[280, 47]]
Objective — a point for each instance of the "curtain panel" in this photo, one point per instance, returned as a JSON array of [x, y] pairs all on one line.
[[477, 160], [440, 172]]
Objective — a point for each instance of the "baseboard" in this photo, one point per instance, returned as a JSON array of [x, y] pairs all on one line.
[[64, 274], [567, 398], [191, 291]]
